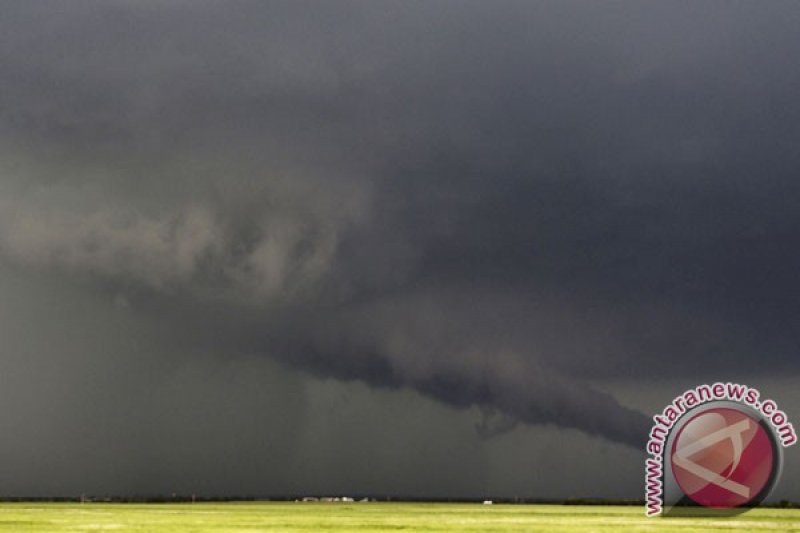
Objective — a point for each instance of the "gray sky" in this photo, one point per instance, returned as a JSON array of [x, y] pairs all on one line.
[[423, 248]]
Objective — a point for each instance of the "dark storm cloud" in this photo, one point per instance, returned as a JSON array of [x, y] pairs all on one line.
[[489, 203]]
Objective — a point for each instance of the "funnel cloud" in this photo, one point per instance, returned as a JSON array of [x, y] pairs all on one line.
[[503, 223]]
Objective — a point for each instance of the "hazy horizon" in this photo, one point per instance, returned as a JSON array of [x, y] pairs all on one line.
[[386, 247]]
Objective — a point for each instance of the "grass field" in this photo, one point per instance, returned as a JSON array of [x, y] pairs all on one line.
[[364, 517]]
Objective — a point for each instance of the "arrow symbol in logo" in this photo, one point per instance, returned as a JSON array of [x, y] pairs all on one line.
[[734, 433]]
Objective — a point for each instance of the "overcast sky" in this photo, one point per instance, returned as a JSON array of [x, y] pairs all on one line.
[[442, 248]]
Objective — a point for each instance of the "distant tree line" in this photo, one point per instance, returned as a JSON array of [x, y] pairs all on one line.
[[190, 498]]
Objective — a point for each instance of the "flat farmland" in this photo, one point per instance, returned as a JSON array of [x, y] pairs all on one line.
[[364, 517]]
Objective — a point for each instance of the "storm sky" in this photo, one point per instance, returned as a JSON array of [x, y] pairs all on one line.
[[441, 249]]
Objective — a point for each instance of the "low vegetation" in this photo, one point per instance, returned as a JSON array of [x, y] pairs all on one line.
[[252, 517]]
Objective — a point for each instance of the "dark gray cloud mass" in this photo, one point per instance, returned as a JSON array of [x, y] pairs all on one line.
[[493, 205]]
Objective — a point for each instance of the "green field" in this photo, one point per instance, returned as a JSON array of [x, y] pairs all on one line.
[[364, 517]]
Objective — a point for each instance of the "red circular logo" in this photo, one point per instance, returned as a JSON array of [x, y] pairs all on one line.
[[722, 458]]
